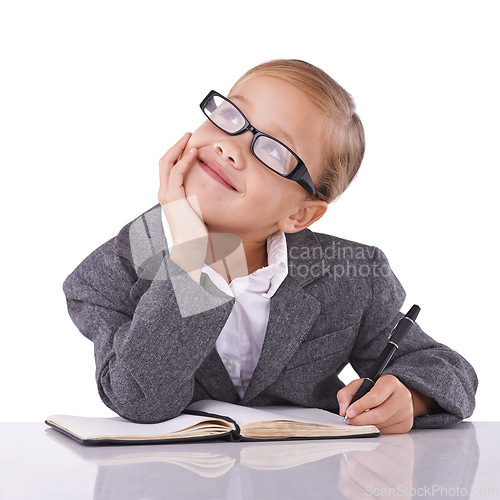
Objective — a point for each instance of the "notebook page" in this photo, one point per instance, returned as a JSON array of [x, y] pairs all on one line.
[[91, 427], [246, 414]]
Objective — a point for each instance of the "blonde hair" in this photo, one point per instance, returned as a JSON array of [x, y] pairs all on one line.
[[344, 138]]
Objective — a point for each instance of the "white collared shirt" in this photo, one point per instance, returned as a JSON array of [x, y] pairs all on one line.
[[240, 342]]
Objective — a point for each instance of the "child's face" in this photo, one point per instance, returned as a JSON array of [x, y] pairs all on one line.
[[264, 201]]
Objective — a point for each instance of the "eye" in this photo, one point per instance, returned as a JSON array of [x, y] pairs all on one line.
[[273, 149], [274, 155], [226, 115], [231, 115]]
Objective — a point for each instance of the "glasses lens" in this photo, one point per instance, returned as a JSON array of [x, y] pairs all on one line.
[[224, 114], [274, 155]]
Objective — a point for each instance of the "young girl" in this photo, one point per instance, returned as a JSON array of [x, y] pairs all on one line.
[[221, 291]]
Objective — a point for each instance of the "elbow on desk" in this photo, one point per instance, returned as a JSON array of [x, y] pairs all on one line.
[[146, 415], [131, 403], [142, 411]]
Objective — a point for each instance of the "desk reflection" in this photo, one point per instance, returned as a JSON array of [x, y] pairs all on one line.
[[405, 467], [319, 469]]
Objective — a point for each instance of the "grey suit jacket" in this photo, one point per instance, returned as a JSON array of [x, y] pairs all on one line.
[[154, 329]]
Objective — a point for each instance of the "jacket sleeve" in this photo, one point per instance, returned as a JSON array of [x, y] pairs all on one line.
[[152, 325], [420, 362]]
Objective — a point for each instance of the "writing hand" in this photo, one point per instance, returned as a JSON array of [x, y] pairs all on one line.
[[389, 404]]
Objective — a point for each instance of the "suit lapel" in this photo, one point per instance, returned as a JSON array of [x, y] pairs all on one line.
[[213, 376], [292, 313]]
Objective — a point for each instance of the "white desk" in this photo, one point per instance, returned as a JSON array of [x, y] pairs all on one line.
[[37, 462]]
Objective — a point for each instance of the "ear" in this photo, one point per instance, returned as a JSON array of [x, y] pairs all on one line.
[[309, 212]]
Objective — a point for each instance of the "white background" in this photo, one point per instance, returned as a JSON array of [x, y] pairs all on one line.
[[93, 93]]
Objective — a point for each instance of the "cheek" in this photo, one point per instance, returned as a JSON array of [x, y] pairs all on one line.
[[263, 182], [272, 184], [270, 193]]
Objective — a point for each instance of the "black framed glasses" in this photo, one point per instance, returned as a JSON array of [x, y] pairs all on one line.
[[272, 153]]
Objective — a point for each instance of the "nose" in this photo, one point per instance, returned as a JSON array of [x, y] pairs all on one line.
[[231, 149]]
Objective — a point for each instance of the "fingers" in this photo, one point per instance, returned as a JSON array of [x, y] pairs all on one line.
[[172, 170], [174, 153], [388, 406], [345, 395], [175, 188], [375, 397]]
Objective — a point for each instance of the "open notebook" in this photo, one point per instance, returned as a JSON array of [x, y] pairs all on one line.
[[209, 419]]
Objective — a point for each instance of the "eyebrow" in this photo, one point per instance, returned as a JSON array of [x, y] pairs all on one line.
[[287, 139]]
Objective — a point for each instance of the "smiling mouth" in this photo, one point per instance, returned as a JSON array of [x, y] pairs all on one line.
[[215, 175]]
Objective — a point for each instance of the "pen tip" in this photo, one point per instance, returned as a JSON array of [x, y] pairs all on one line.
[[413, 312]]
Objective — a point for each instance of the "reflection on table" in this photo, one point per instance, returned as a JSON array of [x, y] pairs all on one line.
[[389, 466]]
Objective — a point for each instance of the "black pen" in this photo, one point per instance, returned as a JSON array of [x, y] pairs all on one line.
[[398, 333]]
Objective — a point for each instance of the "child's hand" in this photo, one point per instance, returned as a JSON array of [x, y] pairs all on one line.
[[189, 232], [173, 170], [390, 405]]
